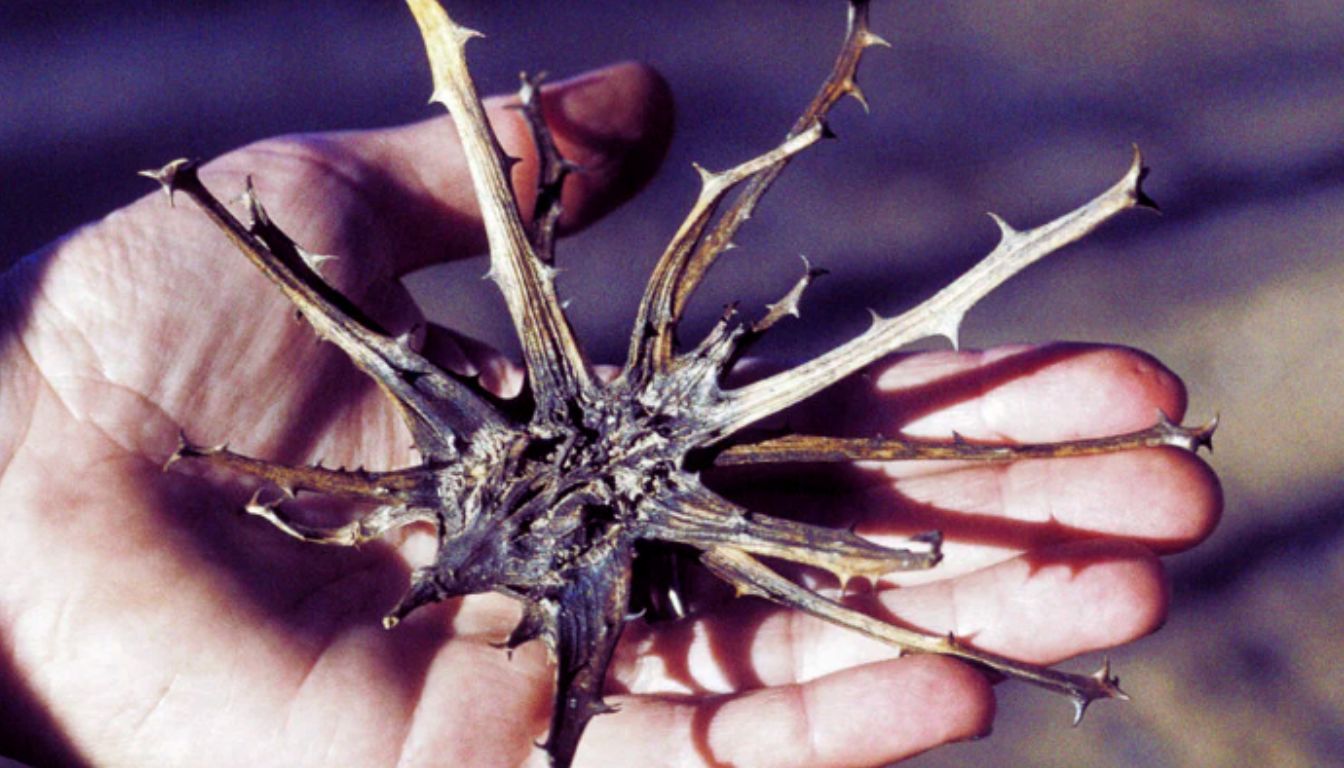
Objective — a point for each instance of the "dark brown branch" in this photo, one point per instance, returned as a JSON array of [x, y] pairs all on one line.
[[434, 406], [552, 169], [588, 625], [402, 486]]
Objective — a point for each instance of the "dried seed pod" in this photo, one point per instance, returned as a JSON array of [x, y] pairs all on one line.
[[549, 508]]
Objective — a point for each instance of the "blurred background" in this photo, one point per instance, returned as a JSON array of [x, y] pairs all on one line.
[[1025, 109]]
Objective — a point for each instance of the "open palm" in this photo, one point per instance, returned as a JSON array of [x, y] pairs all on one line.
[[146, 622]]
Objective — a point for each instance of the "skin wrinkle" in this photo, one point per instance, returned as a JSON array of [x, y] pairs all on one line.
[[86, 419], [408, 727], [802, 701], [63, 337], [83, 273], [983, 399], [1052, 480], [793, 635], [60, 631], [956, 611], [158, 703], [12, 450], [71, 332], [309, 668], [406, 758]]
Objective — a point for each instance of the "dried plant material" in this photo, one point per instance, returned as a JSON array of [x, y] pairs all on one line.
[[549, 507]]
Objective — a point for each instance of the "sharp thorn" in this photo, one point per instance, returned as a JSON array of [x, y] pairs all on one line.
[[1079, 707], [869, 39], [1204, 434], [852, 88], [1136, 175], [315, 260], [168, 175], [256, 214], [1006, 230], [707, 176]]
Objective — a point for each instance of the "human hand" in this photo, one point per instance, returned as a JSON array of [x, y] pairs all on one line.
[[155, 627]]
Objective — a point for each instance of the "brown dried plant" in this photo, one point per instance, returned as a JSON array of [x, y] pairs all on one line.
[[546, 498]]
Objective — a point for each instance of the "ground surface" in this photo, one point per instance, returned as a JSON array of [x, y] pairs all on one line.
[[1024, 109]]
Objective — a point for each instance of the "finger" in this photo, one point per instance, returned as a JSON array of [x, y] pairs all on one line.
[[464, 355], [404, 197], [1164, 498], [1030, 394], [499, 375], [1050, 392], [1168, 499], [1042, 609], [613, 123], [865, 716]]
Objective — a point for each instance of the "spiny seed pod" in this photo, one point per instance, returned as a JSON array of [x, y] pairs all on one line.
[[550, 505]]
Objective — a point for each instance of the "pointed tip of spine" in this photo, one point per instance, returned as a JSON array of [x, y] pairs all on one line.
[[183, 449], [853, 90], [316, 260], [444, 41], [950, 329], [810, 271], [1006, 230], [171, 175], [257, 216], [1188, 438], [422, 591], [1108, 687], [933, 543], [875, 319], [707, 177], [1079, 709], [256, 506], [1110, 683], [1134, 179], [529, 85], [1204, 433], [869, 39]]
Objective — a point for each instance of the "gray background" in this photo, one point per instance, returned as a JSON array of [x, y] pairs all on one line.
[[1021, 108]]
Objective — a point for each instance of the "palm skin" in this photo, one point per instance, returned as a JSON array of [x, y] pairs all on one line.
[[145, 622]]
